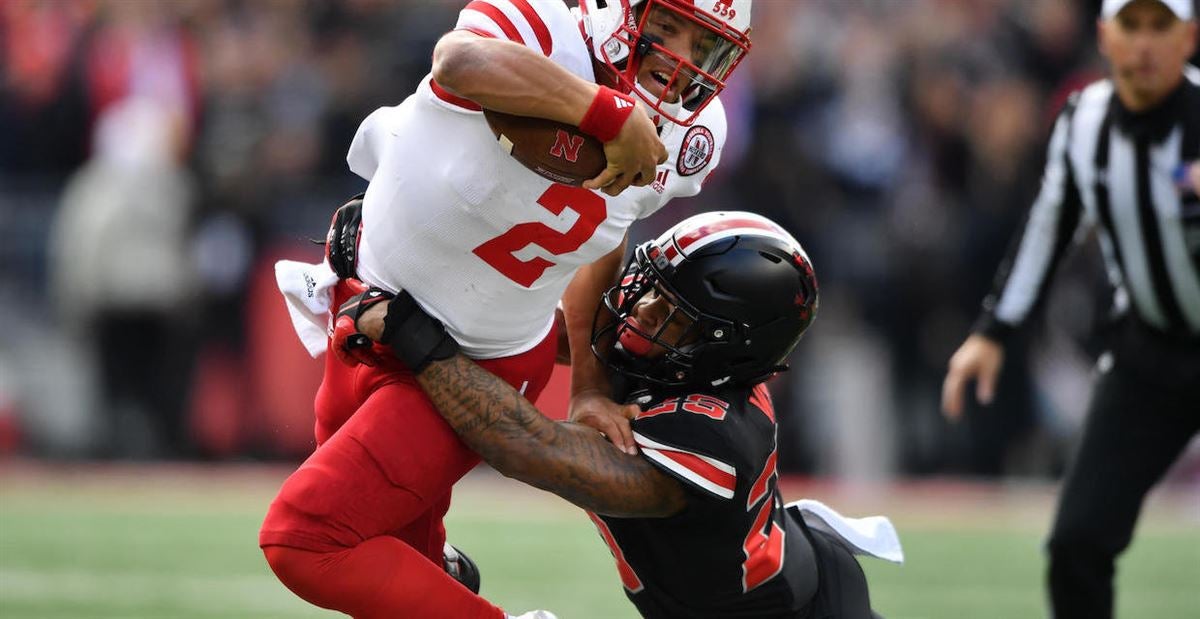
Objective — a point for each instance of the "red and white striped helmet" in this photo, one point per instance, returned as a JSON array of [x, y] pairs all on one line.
[[746, 286], [616, 34]]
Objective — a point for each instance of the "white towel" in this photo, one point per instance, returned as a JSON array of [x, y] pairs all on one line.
[[308, 290], [873, 536]]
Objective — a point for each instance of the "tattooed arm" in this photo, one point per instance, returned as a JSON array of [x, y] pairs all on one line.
[[571, 460], [568, 459]]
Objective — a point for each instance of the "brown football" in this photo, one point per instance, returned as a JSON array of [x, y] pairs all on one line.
[[554, 150]]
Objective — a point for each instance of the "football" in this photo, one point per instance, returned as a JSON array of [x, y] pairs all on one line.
[[555, 151]]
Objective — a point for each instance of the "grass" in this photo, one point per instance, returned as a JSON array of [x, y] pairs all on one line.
[[180, 543]]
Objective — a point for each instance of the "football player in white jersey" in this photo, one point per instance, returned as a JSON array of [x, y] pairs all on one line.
[[489, 248]]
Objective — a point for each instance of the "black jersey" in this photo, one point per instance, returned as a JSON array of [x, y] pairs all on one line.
[[733, 551]]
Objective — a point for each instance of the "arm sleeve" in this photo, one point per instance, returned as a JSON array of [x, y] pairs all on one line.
[[689, 447], [365, 150], [1050, 227], [520, 21]]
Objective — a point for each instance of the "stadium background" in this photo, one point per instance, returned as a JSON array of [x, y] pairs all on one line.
[[157, 157]]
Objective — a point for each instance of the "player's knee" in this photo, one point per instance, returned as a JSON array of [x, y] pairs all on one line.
[[297, 569], [1068, 554]]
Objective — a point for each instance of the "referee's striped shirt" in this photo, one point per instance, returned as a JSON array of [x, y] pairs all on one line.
[[1122, 172]]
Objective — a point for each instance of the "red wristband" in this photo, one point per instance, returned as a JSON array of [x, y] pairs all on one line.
[[607, 114]]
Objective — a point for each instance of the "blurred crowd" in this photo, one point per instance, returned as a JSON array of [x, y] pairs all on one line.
[[157, 157]]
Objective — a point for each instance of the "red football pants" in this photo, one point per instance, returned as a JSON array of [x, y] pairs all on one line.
[[381, 474]]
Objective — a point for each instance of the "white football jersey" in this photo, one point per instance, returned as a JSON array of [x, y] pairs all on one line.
[[481, 242]]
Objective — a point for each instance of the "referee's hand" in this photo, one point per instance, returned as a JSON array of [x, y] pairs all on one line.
[[979, 359]]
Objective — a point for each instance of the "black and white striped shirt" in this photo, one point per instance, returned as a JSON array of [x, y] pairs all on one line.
[[1120, 171]]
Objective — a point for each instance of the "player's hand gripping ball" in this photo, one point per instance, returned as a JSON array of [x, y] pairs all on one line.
[[553, 150]]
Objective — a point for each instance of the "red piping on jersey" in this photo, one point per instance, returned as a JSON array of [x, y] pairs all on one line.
[[501, 20], [483, 33], [539, 26], [759, 489], [629, 578], [453, 99], [761, 399]]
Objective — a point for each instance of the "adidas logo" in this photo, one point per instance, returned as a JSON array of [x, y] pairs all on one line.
[[621, 103]]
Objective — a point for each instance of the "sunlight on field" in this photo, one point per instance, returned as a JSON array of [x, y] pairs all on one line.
[[154, 542]]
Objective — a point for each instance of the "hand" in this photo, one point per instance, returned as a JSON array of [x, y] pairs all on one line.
[[632, 156], [394, 321], [978, 358], [1193, 175], [350, 342], [598, 411]]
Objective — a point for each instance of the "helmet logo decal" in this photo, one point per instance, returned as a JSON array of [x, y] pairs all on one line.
[[724, 8], [660, 261], [696, 150]]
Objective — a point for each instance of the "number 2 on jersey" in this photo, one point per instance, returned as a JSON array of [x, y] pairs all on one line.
[[500, 251]]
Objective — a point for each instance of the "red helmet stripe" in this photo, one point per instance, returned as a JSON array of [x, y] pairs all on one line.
[[722, 225], [539, 26], [670, 252]]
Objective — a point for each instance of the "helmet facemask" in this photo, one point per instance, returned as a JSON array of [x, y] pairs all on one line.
[[686, 334], [687, 84], [737, 291]]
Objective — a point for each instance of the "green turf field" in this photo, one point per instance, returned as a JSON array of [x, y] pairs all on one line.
[[86, 542]]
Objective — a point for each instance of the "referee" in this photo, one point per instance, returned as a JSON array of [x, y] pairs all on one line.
[[1122, 157]]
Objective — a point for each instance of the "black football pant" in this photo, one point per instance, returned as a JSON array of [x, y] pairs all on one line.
[[1137, 425], [842, 592]]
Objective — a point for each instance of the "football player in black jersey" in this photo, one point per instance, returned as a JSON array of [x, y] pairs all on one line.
[[703, 315]]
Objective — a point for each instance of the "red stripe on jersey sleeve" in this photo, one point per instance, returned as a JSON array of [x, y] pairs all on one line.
[[501, 20], [703, 469], [453, 99], [539, 26]]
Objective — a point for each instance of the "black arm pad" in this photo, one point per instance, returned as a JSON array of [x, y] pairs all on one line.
[[414, 336]]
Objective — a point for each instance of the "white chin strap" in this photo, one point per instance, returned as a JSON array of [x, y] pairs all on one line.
[[670, 108]]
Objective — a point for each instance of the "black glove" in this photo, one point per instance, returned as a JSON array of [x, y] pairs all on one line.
[[341, 242], [415, 337], [350, 346], [460, 567]]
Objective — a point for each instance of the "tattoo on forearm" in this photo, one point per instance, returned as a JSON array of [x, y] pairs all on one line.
[[572, 461]]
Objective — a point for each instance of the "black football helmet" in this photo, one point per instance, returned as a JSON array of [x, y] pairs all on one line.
[[745, 287]]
